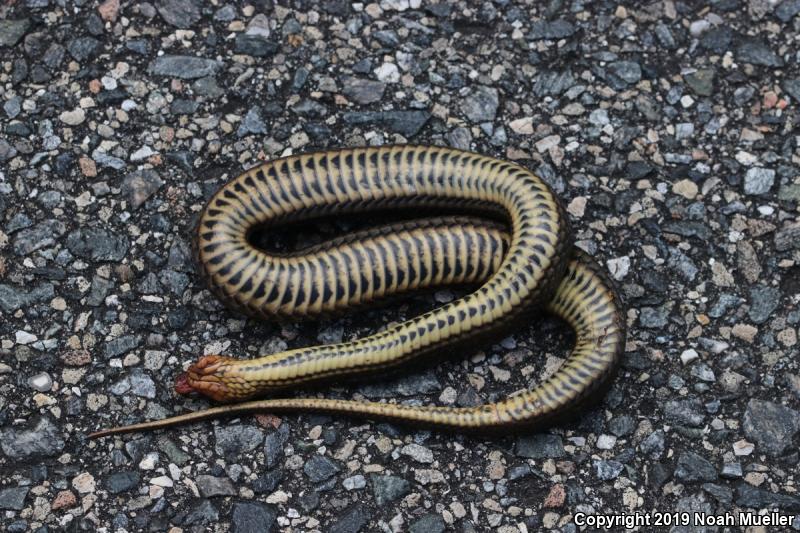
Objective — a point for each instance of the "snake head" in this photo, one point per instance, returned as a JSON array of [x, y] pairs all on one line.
[[206, 376]]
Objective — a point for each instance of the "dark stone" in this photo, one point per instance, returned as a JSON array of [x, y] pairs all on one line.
[[6, 150], [410, 385], [363, 66], [114, 96], [273, 445], [687, 228], [41, 439], [755, 498], [317, 130], [362, 91], [182, 158], [140, 185], [17, 526], [664, 36], [175, 454], [792, 88], [309, 500], [179, 13], [636, 170], [787, 9], [717, 39], [120, 345], [252, 123], [11, 31], [788, 238], [13, 298], [550, 29], [233, 441], [185, 67], [175, 281], [83, 48], [226, 13], [351, 520], [310, 108], [481, 105], [207, 86], [182, 106], [13, 498], [658, 474], [255, 45], [686, 412], [268, 481], [763, 301], [37, 237], [621, 74], [692, 468], [210, 486], [202, 513], [18, 222], [299, 79], [654, 317], [771, 425], [540, 446], [97, 244], [95, 24], [54, 56], [722, 494], [758, 53], [387, 489], [621, 425], [253, 517], [320, 468], [724, 303], [430, 523], [701, 81], [387, 38], [607, 470], [122, 481], [138, 46], [406, 123]]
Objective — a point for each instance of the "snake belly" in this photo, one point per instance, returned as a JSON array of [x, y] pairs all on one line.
[[532, 263]]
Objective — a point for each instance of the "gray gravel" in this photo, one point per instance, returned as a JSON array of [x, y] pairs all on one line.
[[668, 129]]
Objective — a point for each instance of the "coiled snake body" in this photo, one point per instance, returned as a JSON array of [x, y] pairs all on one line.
[[533, 263]]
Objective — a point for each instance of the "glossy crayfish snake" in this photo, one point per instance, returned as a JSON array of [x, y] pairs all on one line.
[[531, 264]]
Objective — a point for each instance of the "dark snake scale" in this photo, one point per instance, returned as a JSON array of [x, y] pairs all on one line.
[[531, 264]]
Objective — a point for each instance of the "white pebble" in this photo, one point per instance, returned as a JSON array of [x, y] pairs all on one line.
[[745, 158], [688, 356], [149, 461], [619, 267], [23, 337], [142, 153], [73, 118], [742, 447], [41, 382], [388, 73], [699, 27], [606, 442], [355, 482], [161, 481]]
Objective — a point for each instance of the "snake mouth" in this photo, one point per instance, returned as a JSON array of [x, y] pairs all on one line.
[[206, 377]]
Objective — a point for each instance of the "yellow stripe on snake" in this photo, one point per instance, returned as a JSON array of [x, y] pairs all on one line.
[[526, 263]]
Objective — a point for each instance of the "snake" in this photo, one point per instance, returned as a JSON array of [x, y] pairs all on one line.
[[510, 238]]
